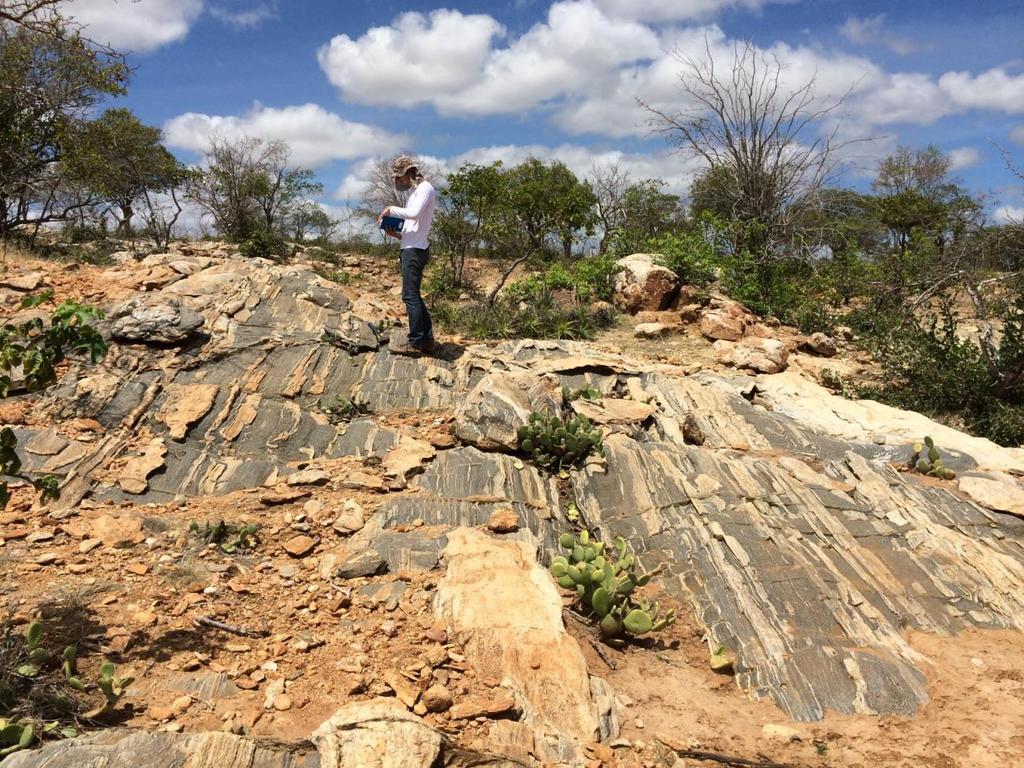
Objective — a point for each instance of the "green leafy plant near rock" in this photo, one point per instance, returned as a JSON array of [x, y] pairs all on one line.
[[605, 580], [36, 349], [39, 690], [230, 537], [554, 442], [587, 393], [929, 462]]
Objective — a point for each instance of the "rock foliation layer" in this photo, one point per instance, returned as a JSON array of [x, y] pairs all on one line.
[[777, 508]]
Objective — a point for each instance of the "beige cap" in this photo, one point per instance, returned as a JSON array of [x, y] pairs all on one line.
[[402, 164]]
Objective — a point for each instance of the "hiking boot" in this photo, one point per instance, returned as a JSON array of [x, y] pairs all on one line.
[[428, 347]]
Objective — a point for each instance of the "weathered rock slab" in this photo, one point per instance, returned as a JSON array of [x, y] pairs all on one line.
[[135, 749], [501, 403], [163, 321], [524, 644]]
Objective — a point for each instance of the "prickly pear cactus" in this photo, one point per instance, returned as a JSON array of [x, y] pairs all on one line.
[[604, 579], [929, 462], [554, 442]]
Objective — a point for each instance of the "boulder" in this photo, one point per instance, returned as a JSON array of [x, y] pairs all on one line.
[[121, 531], [407, 458], [134, 476], [501, 403], [755, 354], [644, 285], [653, 330], [667, 317], [154, 321], [26, 282], [820, 344], [727, 321], [379, 733]]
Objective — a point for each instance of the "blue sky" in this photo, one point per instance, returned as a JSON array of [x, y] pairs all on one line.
[[344, 82]]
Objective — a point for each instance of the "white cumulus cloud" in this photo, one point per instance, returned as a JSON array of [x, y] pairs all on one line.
[[872, 30], [963, 157], [139, 27], [993, 89], [247, 19], [1008, 214], [316, 136], [417, 59]]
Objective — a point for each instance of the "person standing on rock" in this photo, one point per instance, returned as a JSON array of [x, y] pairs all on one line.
[[418, 214]]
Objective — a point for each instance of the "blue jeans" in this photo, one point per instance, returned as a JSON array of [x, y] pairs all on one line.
[[414, 261]]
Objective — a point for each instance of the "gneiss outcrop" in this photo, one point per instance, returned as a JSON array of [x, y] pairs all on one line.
[[775, 507]]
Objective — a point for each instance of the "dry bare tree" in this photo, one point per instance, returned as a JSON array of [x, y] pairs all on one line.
[[381, 191], [609, 184], [34, 15], [765, 141]]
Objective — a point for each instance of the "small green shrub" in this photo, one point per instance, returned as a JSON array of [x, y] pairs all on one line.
[[590, 278], [688, 254], [40, 690], [264, 244], [554, 442], [230, 537], [506, 319], [587, 393], [930, 462], [604, 580], [38, 348]]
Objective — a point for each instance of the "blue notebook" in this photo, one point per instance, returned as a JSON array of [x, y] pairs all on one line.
[[391, 224]]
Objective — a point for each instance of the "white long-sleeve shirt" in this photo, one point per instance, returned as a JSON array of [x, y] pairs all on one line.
[[418, 214]]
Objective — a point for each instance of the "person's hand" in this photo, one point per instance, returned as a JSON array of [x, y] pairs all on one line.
[[393, 233]]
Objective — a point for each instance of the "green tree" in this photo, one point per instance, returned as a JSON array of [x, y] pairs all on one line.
[[308, 217], [575, 204], [916, 194], [49, 83], [540, 203], [466, 206], [120, 160], [36, 349]]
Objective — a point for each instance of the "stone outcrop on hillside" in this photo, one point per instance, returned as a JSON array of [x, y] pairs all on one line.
[[787, 526], [644, 285]]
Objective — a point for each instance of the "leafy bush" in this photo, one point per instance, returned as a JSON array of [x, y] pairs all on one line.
[[688, 254], [930, 368], [264, 244], [604, 581], [506, 319], [40, 690], [590, 278], [38, 348], [554, 442]]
